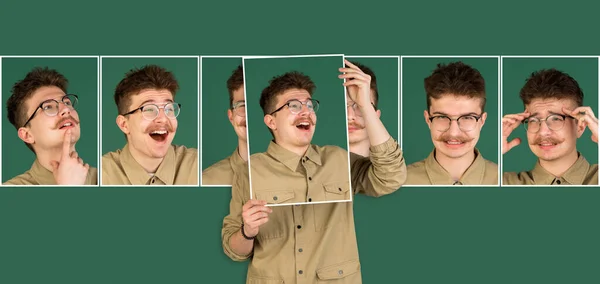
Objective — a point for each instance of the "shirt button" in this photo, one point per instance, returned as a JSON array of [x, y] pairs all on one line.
[[339, 188], [341, 272], [152, 180], [274, 197], [558, 181], [309, 178], [300, 249], [310, 199], [300, 272], [299, 227]]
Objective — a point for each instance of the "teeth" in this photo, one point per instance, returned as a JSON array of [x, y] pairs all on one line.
[[159, 132], [304, 123], [547, 144], [454, 142], [67, 124]]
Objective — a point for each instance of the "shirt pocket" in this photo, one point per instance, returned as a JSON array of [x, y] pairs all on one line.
[[263, 280], [344, 272], [276, 196], [337, 191]]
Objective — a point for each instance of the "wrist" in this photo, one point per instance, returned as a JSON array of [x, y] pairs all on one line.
[[245, 235]]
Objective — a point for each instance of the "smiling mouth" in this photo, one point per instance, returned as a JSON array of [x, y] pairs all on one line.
[[159, 135], [547, 144], [454, 143], [66, 124], [303, 126]]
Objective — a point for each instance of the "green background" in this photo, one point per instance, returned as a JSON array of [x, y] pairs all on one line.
[[331, 124], [82, 74], [416, 235], [387, 73], [417, 144], [219, 139], [185, 71], [515, 72]]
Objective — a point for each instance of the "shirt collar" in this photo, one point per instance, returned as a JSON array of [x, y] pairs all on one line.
[[574, 175], [41, 174], [291, 159], [439, 176], [138, 176]]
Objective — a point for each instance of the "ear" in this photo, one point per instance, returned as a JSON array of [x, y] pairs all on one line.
[[378, 113], [25, 135], [230, 115], [270, 122], [123, 124], [483, 118], [426, 115]]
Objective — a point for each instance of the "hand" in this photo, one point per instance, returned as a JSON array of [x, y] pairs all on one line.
[[358, 84], [254, 214], [70, 170], [509, 123], [585, 117]]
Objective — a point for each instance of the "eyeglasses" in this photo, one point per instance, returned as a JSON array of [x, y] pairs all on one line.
[[295, 106], [465, 122], [239, 108], [356, 109], [52, 106], [151, 111], [554, 122]]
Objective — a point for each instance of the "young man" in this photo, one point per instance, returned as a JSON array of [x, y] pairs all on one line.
[[554, 118], [148, 118], [307, 243], [46, 120], [357, 134], [455, 116], [221, 173]]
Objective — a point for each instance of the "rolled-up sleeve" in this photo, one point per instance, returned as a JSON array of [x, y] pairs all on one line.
[[233, 222], [380, 174]]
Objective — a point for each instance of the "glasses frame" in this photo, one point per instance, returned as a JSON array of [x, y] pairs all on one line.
[[159, 108], [525, 122], [62, 100], [237, 105], [477, 118], [303, 103], [354, 106]]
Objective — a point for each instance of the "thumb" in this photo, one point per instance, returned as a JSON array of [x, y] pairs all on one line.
[[512, 144], [54, 165]]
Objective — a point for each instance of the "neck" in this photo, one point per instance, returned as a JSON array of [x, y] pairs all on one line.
[[559, 166], [149, 164], [243, 150], [455, 166], [53, 154], [361, 148]]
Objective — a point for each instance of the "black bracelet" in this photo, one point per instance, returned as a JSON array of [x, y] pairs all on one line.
[[244, 235]]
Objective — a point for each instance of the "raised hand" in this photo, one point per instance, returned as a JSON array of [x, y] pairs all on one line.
[[585, 117], [509, 123], [254, 215], [70, 170]]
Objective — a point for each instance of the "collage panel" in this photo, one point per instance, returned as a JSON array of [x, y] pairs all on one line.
[[224, 143], [450, 120], [50, 121], [550, 125], [150, 121], [295, 157]]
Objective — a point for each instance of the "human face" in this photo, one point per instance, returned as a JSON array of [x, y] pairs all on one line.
[[293, 130], [238, 121], [46, 132], [454, 142], [150, 138], [548, 144], [356, 123]]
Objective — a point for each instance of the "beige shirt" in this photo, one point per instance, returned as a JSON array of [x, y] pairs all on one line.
[[308, 243], [321, 175], [580, 173], [38, 175], [221, 173], [179, 167], [430, 172]]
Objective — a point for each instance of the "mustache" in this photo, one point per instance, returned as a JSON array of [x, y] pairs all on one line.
[[461, 138], [167, 126], [304, 119], [62, 121], [552, 140], [356, 125]]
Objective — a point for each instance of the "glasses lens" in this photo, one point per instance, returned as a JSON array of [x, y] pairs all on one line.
[[239, 109], [532, 125], [295, 106], [441, 123], [172, 110], [315, 105], [149, 112], [467, 123], [70, 100], [50, 107], [555, 122]]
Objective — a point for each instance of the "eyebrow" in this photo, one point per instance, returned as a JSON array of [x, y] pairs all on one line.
[[153, 101], [463, 114], [550, 113]]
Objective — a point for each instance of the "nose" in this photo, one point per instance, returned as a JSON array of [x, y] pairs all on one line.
[[351, 113], [454, 129], [162, 116], [544, 129], [63, 109]]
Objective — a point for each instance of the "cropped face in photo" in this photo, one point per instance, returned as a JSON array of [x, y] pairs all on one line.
[[551, 134], [152, 122], [356, 123], [294, 121], [51, 113], [237, 113], [455, 124]]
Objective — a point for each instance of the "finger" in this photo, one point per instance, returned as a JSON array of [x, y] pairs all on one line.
[[251, 203], [80, 160], [74, 155], [257, 208], [67, 143], [512, 144], [350, 64], [256, 216], [257, 223], [351, 70], [354, 76], [354, 83], [87, 167], [54, 165]]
